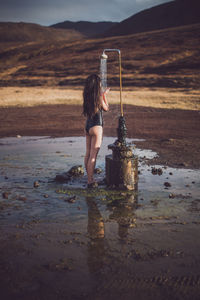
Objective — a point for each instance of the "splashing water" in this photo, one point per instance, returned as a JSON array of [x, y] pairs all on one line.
[[103, 73]]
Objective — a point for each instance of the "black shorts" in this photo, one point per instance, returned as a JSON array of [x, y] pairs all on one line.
[[96, 120]]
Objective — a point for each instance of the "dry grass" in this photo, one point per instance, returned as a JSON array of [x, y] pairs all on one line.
[[158, 98]]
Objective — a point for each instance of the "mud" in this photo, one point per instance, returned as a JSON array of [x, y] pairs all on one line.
[[173, 133], [63, 241]]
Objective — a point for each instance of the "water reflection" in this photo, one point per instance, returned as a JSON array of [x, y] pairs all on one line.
[[91, 242], [96, 228], [96, 233], [123, 213]]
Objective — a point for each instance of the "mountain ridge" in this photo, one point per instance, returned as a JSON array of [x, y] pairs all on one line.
[[171, 14], [28, 32], [87, 28]]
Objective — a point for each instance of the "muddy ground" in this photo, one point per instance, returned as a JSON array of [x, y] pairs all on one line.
[[85, 246], [173, 133]]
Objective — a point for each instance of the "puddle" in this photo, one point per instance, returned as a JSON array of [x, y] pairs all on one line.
[[28, 159], [93, 238]]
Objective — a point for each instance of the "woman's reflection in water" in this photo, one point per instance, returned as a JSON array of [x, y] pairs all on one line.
[[96, 232], [123, 213], [102, 262]]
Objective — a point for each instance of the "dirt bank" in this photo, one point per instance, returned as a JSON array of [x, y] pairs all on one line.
[[173, 133]]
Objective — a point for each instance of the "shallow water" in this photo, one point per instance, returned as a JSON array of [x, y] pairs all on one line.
[[101, 234], [26, 160]]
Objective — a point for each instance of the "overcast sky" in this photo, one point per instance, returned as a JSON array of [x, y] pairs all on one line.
[[48, 12]]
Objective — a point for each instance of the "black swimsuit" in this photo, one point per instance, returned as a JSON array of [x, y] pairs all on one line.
[[96, 120]]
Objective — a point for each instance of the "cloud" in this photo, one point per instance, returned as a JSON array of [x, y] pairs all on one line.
[[48, 12]]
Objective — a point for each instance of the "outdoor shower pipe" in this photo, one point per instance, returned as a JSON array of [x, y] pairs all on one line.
[[120, 74]]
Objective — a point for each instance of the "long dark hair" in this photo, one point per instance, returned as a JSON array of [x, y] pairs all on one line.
[[91, 96]]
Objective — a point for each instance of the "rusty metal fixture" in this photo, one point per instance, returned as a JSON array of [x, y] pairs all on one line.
[[122, 165], [122, 131]]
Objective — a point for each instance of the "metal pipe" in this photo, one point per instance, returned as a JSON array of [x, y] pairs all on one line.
[[120, 74]]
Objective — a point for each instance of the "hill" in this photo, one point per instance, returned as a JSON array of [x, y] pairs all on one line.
[[29, 32], [170, 14], [163, 58], [88, 29]]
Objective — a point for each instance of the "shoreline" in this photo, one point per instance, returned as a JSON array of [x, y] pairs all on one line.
[[173, 134]]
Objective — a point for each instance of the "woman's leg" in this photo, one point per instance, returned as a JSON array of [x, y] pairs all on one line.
[[88, 146], [95, 133]]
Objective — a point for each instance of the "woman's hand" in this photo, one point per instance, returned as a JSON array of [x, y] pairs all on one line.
[[106, 91], [104, 103]]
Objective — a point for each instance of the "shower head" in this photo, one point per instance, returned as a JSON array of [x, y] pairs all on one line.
[[104, 56]]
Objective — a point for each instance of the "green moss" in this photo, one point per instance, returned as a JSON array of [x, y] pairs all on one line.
[[105, 195]]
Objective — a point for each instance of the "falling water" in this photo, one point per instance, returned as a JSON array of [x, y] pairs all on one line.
[[103, 73]]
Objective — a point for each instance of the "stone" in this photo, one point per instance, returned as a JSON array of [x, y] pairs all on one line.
[[5, 195], [172, 196], [98, 171], [71, 199], [156, 171], [22, 198], [64, 177], [36, 184], [75, 171], [167, 184]]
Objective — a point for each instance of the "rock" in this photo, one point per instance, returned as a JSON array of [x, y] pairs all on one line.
[[75, 171], [167, 184], [71, 199], [46, 196], [22, 198], [172, 196], [98, 171], [64, 177], [36, 184], [5, 195], [156, 171]]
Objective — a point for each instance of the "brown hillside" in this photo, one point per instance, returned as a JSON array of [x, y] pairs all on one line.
[[89, 29], [28, 32], [164, 58]]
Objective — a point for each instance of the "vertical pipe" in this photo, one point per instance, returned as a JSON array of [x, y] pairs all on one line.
[[120, 78]]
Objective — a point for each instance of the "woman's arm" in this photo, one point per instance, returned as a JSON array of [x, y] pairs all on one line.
[[104, 101]]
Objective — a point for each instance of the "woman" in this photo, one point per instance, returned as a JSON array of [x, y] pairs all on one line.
[[94, 102]]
